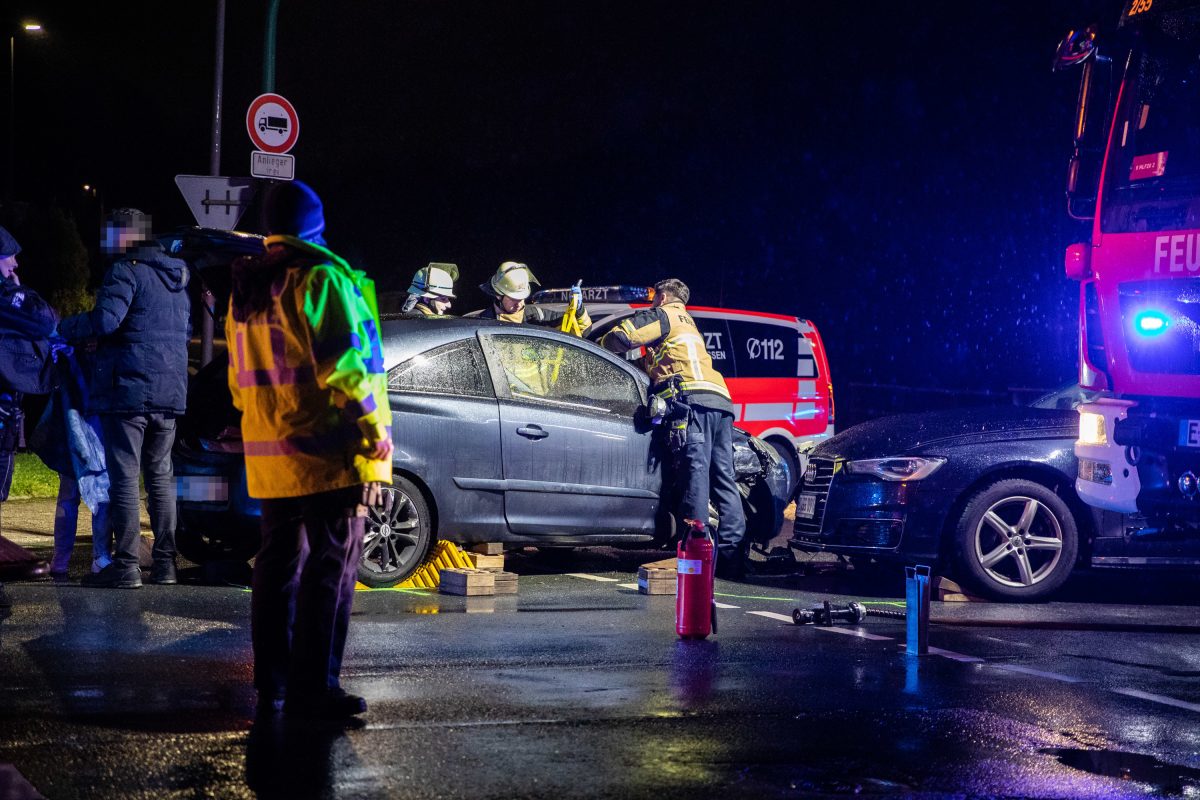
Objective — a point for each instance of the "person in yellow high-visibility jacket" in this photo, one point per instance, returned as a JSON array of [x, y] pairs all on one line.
[[681, 370], [306, 370]]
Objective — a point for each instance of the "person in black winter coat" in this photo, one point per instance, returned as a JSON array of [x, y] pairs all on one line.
[[142, 324], [26, 323]]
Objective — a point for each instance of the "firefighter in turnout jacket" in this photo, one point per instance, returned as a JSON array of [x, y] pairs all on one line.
[[432, 290], [701, 436], [509, 288], [306, 370]]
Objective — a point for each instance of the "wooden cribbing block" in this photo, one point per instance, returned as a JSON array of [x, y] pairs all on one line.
[[656, 580], [666, 563], [488, 548], [949, 591], [485, 561], [466, 582], [506, 582]]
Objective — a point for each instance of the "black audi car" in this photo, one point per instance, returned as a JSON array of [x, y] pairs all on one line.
[[987, 494], [503, 433]]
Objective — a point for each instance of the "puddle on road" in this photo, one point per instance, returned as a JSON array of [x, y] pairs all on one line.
[[1163, 777]]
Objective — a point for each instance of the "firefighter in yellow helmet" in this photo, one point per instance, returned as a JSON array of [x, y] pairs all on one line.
[[701, 416], [510, 287], [432, 290]]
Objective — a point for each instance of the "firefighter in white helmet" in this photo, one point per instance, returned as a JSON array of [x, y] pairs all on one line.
[[432, 290], [509, 288]]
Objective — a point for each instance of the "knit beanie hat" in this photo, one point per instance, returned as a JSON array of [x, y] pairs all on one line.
[[293, 209], [8, 245]]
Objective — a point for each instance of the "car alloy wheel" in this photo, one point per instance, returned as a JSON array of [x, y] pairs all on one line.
[[1017, 540], [398, 537]]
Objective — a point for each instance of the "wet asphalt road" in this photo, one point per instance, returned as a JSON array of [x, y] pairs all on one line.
[[578, 687]]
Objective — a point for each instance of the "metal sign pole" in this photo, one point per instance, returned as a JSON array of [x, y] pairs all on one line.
[[207, 301]]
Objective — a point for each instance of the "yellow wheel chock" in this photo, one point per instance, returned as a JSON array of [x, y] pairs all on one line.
[[445, 555]]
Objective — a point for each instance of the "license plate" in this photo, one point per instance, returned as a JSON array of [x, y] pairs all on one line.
[[806, 505], [1189, 433], [202, 488]]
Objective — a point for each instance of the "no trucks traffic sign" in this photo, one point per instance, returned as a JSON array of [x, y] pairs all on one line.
[[272, 123]]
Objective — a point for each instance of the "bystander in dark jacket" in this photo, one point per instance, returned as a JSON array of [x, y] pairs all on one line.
[[141, 322], [26, 366]]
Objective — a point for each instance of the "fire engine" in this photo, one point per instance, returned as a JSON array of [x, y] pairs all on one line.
[[1135, 174]]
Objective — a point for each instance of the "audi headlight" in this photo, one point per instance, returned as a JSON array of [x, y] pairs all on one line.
[[905, 468]]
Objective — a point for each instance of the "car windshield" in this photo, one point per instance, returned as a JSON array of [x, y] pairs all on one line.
[[1064, 399]]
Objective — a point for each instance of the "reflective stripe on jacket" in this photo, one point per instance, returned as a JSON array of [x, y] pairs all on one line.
[[674, 347], [309, 378]]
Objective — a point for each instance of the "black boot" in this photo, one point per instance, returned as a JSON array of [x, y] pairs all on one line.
[[114, 576], [163, 572], [332, 705]]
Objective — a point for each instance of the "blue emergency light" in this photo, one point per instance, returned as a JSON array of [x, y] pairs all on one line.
[[1151, 323]]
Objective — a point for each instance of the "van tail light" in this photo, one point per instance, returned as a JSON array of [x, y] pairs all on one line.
[[830, 385]]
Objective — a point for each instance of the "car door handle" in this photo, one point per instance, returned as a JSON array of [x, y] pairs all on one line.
[[532, 432]]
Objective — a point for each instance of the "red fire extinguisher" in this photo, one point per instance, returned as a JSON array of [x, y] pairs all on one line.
[[695, 608]]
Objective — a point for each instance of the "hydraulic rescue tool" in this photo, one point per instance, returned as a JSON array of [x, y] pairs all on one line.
[[695, 606], [570, 322], [828, 614]]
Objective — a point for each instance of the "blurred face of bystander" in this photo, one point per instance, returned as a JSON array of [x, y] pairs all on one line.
[[8, 267], [117, 239]]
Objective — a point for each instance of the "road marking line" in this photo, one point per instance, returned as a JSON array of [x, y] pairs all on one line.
[[791, 600], [1158, 698], [1055, 676], [852, 632], [725, 605], [772, 615], [937, 651], [627, 586], [587, 577]]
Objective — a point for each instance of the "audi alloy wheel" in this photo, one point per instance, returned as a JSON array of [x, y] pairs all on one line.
[[1017, 540]]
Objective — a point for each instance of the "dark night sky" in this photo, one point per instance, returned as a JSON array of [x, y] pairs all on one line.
[[892, 171]]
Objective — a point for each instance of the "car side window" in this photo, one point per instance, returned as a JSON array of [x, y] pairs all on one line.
[[457, 368], [537, 369]]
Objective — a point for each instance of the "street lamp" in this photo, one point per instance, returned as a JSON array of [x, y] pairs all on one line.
[[29, 28]]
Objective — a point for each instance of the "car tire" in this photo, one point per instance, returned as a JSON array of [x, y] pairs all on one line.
[[791, 462], [399, 536], [202, 542], [764, 517], [1016, 540]]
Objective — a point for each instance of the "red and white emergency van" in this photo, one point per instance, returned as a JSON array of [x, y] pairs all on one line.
[[775, 365]]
